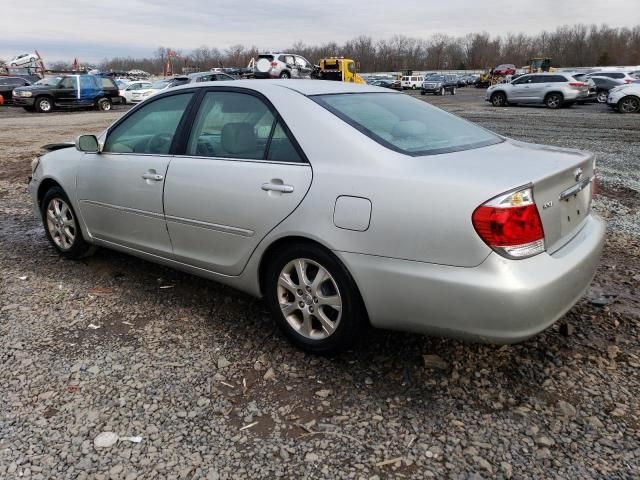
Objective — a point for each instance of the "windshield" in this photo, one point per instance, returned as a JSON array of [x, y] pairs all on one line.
[[405, 124], [160, 84], [50, 81], [435, 78]]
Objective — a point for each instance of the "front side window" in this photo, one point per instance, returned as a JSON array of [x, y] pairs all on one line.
[[151, 128], [67, 82], [405, 124]]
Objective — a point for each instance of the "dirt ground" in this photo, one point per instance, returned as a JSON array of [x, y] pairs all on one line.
[[198, 371]]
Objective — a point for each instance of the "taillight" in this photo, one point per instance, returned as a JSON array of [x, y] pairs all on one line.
[[510, 224], [274, 64], [627, 80], [577, 84]]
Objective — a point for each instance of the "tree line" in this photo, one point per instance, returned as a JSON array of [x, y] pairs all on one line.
[[567, 46]]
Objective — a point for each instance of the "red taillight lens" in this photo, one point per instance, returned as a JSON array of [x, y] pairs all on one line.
[[274, 64], [627, 80], [511, 225], [577, 84]]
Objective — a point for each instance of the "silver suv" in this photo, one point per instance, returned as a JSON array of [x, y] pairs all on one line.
[[551, 89], [282, 65]]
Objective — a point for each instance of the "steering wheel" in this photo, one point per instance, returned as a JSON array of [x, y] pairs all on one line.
[[160, 143]]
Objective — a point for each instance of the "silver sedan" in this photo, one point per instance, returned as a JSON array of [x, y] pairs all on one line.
[[341, 205]]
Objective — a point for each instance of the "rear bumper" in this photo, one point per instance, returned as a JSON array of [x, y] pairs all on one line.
[[499, 301]]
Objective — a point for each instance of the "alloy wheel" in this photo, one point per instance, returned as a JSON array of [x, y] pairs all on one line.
[[61, 224], [309, 299], [629, 105], [45, 105], [602, 97], [553, 101]]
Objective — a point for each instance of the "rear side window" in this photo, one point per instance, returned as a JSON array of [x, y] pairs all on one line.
[[107, 83], [149, 129], [405, 124]]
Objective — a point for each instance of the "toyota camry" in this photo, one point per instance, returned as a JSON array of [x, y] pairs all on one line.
[[341, 205]]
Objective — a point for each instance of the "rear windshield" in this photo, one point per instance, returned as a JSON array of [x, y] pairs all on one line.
[[405, 124]]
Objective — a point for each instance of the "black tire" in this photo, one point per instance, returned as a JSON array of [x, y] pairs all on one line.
[[413, 87], [78, 248], [442, 91], [498, 99], [554, 100], [453, 91], [350, 325], [629, 104], [43, 105], [601, 96], [285, 75], [104, 104]]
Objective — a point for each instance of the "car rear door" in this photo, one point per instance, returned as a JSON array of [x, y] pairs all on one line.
[[120, 189], [241, 174]]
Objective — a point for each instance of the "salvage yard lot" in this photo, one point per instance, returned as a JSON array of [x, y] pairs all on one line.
[[200, 373]]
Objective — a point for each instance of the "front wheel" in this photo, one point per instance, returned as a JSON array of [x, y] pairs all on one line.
[[43, 105], [498, 99], [313, 299], [61, 225], [629, 104], [413, 87]]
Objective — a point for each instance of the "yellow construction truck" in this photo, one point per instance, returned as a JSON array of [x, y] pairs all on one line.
[[338, 69], [538, 65]]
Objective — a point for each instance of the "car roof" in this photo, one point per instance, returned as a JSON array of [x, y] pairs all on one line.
[[304, 87]]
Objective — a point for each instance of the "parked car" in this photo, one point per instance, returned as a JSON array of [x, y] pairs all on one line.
[[156, 87], [602, 85], [312, 195], [624, 76], [7, 84], [625, 98], [69, 92], [411, 81], [209, 77], [551, 89], [439, 85], [505, 69], [23, 59], [129, 89], [393, 84], [282, 65], [462, 81]]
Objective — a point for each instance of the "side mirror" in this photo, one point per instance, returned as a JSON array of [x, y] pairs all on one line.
[[88, 144]]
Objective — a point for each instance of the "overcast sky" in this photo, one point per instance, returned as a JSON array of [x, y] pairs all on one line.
[[91, 31]]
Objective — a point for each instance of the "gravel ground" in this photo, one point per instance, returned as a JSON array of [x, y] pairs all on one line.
[[194, 381]]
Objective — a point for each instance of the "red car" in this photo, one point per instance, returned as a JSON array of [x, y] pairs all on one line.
[[505, 69]]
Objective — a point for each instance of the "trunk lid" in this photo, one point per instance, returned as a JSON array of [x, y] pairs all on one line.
[[564, 200]]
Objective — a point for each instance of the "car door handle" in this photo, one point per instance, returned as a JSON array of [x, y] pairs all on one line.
[[153, 176], [277, 187]]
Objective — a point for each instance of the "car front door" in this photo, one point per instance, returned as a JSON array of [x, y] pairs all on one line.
[[66, 92], [519, 88], [538, 88], [120, 189], [241, 175]]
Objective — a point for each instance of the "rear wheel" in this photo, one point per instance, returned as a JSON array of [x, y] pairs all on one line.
[[104, 104], [602, 95], [553, 100], [313, 299], [43, 104], [286, 75], [498, 99], [413, 87], [629, 104], [61, 225], [453, 91]]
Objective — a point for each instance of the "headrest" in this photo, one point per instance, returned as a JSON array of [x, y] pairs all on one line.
[[409, 128], [238, 138]]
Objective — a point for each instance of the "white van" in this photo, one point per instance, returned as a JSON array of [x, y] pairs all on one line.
[[413, 82]]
